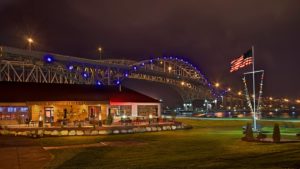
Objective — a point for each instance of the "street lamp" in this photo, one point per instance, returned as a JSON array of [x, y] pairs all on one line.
[[217, 84], [30, 41], [100, 52]]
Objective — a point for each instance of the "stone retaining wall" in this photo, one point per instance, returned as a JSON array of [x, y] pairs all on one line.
[[45, 132]]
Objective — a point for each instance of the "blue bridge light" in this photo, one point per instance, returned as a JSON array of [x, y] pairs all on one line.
[[70, 67], [48, 58]]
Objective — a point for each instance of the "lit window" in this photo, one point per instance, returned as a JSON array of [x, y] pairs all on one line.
[[24, 109], [11, 109], [1, 109]]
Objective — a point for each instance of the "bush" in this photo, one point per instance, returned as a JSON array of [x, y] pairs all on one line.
[[248, 133], [261, 136], [276, 133]]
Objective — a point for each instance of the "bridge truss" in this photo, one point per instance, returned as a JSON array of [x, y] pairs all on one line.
[[31, 66]]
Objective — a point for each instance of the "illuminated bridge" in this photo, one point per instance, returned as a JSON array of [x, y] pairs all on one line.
[[32, 66]]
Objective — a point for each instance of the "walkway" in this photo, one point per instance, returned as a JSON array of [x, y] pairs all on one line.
[[22, 153]]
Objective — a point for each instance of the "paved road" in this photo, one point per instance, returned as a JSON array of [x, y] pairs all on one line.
[[22, 153]]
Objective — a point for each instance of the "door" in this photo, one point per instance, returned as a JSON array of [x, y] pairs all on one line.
[[49, 114]]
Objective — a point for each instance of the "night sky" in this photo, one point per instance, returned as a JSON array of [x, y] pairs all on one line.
[[208, 33]]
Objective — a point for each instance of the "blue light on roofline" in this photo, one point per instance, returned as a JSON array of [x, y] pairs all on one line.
[[134, 67], [118, 82], [151, 61], [143, 64]]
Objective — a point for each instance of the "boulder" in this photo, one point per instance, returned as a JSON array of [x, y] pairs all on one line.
[[123, 131], [55, 133], [47, 132], [79, 132], [94, 132], [87, 132], [173, 127], [153, 128], [103, 132], [116, 131], [130, 131], [148, 128], [64, 132], [72, 133]]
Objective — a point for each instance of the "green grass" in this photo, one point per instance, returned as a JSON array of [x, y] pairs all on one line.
[[210, 144]]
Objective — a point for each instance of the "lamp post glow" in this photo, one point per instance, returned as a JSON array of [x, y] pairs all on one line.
[[30, 41], [217, 85], [100, 52]]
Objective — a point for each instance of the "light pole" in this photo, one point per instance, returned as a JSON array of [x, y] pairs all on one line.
[[30, 41], [100, 52]]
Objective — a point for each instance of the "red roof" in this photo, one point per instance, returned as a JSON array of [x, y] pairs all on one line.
[[29, 92]]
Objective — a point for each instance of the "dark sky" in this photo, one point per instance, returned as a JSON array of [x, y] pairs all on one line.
[[209, 33]]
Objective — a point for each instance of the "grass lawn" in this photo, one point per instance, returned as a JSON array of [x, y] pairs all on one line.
[[210, 144]]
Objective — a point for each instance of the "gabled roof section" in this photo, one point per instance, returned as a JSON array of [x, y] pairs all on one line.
[[30, 92]]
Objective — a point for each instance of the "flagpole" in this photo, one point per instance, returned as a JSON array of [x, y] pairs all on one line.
[[254, 107]]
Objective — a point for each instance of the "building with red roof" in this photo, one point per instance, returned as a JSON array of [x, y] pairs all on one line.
[[52, 103]]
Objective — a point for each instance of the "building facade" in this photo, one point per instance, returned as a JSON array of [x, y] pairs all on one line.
[[63, 103]]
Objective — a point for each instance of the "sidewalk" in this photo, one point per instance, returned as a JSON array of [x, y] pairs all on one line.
[[22, 153]]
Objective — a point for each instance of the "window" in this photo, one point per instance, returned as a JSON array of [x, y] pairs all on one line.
[[121, 110], [12, 109], [146, 110], [24, 109]]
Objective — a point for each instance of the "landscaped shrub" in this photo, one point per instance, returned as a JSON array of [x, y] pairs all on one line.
[[261, 136], [248, 133], [276, 133]]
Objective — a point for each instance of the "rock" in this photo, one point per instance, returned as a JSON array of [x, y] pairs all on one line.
[[20, 133], [153, 128], [158, 128], [124, 131], [72, 133], [164, 127], [94, 132], [130, 131], [169, 128], [139, 130], [79, 132], [87, 132], [173, 127], [148, 128], [116, 131], [40, 133], [13, 133], [64, 132], [102, 132], [55, 133], [46, 132]]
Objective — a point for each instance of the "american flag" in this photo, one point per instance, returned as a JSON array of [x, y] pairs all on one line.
[[242, 61]]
